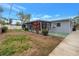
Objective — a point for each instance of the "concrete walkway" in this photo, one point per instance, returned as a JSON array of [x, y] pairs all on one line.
[[68, 47]]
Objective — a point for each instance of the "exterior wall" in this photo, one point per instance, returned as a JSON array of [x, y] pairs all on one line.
[[13, 27], [0, 26], [65, 27]]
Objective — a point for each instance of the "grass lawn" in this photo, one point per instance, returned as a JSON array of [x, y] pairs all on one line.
[[17, 42], [14, 44]]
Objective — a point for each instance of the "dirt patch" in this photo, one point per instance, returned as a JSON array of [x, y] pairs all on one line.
[[41, 45]]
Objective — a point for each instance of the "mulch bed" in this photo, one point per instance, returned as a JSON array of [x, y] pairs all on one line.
[[41, 45]]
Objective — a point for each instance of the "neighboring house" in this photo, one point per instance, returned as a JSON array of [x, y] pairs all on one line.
[[64, 25]]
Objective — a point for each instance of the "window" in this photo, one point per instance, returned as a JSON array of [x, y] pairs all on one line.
[[58, 24]]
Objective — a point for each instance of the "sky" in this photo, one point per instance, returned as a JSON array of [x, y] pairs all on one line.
[[43, 11]]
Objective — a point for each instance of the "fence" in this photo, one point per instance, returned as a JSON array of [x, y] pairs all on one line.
[[13, 27]]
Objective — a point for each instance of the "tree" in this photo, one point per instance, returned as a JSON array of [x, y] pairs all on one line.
[[10, 21], [1, 10], [2, 22], [24, 17], [75, 22], [17, 23], [76, 19], [20, 14]]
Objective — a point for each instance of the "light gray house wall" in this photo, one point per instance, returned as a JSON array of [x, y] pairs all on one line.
[[65, 26]]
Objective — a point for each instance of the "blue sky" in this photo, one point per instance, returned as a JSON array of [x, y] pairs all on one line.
[[50, 11]]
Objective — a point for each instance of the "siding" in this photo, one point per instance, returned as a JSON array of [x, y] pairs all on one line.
[[65, 27]]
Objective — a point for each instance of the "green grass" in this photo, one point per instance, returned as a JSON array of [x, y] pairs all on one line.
[[14, 44]]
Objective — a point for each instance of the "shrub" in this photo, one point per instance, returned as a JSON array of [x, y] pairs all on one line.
[[18, 24], [26, 29], [4, 29], [45, 32]]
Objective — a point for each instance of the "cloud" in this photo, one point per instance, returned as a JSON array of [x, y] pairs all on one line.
[[57, 15], [49, 17], [35, 18], [46, 17], [41, 17]]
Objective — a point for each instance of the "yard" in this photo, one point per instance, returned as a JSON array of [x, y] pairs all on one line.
[[18, 42]]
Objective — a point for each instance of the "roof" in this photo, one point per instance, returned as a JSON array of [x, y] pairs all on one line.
[[50, 21], [38, 20], [61, 20]]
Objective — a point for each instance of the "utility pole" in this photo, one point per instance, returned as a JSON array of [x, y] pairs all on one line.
[[11, 5]]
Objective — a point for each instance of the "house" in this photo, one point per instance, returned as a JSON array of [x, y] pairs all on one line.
[[63, 25], [42, 25]]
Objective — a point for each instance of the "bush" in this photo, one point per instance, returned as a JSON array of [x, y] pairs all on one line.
[[4, 29], [18, 24], [26, 29], [45, 32]]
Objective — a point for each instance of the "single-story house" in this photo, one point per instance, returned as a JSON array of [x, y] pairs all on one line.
[[64, 25]]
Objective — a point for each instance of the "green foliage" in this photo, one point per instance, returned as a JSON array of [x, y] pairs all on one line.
[[18, 23], [14, 44], [4, 29], [45, 32], [76, 19], [26, 29], [2, 22], [24, 17]]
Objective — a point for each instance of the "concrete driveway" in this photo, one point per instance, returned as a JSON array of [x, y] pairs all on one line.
[[68, 47]]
